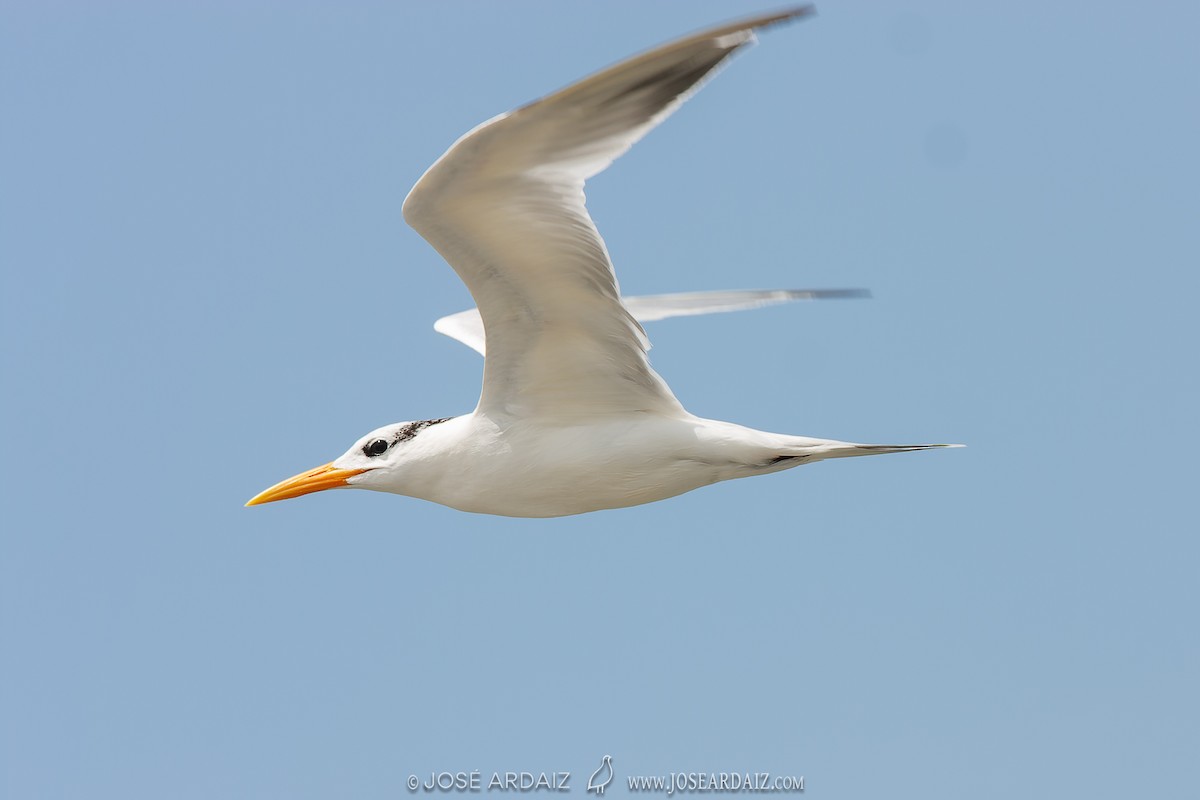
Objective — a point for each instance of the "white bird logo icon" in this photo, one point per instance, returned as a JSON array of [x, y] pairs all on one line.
[[602, 777]]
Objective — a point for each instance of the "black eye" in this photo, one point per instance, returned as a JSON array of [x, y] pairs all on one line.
[[375, 447]]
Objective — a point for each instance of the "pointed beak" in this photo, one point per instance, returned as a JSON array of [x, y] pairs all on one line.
[[315, 480]]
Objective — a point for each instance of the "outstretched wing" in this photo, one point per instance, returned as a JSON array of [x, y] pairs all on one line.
[[467, 326], [505, 207]]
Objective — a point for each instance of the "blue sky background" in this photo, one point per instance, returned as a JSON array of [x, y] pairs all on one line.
[[207, 287]]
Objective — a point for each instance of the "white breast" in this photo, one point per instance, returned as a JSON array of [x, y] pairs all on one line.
[[529, 470]]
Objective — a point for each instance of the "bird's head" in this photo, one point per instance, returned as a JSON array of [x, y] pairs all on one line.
[[371, 463]]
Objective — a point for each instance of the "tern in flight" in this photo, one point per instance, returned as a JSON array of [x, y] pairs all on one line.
[[571, 417]]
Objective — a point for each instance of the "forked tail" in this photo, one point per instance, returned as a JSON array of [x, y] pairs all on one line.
[[797, 450], [848, 449]]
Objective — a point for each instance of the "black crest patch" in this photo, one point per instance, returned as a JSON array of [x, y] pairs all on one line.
[[410, 430]]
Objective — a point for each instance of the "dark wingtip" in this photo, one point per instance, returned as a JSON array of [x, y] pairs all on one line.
[[829, 294], [792, 13], [770, 20]]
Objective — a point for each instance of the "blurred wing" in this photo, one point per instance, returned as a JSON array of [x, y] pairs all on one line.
[[505, 207], [467, 326], [652, 307]]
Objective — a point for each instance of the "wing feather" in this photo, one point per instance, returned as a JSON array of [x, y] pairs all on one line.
[[467, 326], [505, 207]]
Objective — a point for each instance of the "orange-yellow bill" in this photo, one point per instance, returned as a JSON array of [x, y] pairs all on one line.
[[315, 480]]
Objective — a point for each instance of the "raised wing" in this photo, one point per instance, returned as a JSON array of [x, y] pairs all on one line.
[[505, 207], [467, 326]]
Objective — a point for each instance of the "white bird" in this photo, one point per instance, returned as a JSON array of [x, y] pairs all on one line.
[[571, 417], [602, 777]]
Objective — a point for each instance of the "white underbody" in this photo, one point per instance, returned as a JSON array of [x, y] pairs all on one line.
[[522, 469]]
